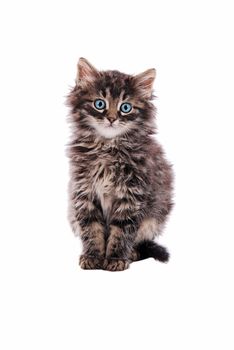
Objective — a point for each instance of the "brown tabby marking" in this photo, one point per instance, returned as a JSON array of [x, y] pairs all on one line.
[[114, 240]]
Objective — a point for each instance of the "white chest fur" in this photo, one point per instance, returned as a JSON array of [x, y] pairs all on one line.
[[102, 184]]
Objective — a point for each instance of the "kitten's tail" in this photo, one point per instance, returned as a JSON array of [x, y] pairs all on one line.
[[150, 249]]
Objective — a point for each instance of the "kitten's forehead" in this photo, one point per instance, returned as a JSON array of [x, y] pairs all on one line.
[[114, 84]]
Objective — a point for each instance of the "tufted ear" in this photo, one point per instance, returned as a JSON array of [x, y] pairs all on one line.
[[144, 82], [86, 73]]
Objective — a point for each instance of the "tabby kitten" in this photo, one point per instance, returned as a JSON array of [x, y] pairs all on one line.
[[121, 184]]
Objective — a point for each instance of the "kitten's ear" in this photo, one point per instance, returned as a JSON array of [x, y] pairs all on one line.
[[86, 73], [144, 82]]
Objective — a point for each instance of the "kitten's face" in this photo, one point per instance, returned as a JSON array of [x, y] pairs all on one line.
[[111, 103]]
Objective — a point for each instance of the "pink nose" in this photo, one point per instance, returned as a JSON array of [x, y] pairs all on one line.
[[111, 119]]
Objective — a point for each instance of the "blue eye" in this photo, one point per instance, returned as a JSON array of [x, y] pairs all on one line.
[[126, 107], [100, 104]]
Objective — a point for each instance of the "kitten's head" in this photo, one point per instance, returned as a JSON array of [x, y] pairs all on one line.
[[110, 103]]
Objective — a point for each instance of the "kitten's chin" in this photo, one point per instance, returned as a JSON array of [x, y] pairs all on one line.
[[109, 131]]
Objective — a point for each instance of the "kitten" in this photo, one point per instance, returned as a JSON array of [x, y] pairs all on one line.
[[121, 184]]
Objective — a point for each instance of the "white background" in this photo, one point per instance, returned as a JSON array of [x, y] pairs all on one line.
[[47, 302]]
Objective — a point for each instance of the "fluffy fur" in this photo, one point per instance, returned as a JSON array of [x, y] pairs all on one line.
[[120, 192]]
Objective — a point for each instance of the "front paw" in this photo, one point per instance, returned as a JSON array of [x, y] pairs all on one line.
[[90, 262], [115, 264]]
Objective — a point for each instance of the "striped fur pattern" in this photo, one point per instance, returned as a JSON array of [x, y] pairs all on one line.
[[120, 191]]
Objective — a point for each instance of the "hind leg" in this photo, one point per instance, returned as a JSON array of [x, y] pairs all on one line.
[[144, 244], [148, 230]]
